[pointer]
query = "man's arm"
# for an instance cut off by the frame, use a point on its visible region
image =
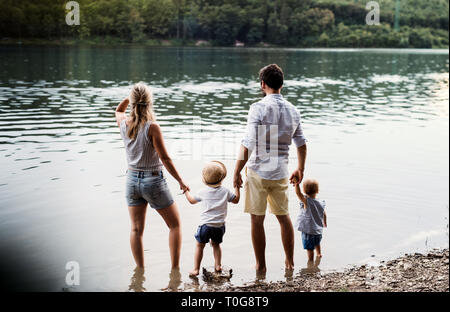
(240, 164)
(297, 175)
(300, 141)
(237, 195)
(248, 144)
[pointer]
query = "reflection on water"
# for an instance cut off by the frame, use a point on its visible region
(289, 275)
(377, 124)
(174, 280)
(260, 276)
(193, 285)
(137, 280)
(312, 266)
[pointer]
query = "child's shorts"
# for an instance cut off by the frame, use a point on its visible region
(311, 241)
(206, 233)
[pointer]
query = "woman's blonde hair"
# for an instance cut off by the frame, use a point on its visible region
(141, 102)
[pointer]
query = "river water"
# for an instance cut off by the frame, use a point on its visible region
(377, 122)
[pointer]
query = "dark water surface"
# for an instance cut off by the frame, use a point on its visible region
(377, 123)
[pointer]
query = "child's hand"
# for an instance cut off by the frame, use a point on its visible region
(190, 198)
(294, 181)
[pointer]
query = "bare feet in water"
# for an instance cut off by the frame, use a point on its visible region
(260, 269)
(218, 269)
(289, 265)
(194, 273)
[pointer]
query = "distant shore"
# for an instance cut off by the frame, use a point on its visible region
(410, 273)
(117, 42)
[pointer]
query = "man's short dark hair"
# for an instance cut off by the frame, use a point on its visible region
(272, 75)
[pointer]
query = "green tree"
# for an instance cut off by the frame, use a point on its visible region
(158, 16)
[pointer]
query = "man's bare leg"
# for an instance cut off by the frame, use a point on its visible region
(259, 242)
(287, 237)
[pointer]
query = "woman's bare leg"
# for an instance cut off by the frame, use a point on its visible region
(197, 259)
(217, 256)
(137, 216)
(172, 219)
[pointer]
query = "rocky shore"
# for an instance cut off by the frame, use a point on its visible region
(411, 273)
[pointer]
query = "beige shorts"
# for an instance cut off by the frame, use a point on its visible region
(259, 191)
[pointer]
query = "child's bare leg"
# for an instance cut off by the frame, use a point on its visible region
(318, 251)
(310, 254)
(197, 259)
(217, 256)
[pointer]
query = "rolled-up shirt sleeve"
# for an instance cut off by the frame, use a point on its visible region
(253, 121)
(299, 138)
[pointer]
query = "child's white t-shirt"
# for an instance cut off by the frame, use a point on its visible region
(214, 205)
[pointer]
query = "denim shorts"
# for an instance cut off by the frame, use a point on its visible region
(206, 233)
(311, 241)
(147, 187)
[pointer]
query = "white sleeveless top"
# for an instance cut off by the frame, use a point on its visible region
(141, 155)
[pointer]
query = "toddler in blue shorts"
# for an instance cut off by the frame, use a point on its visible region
(312, 218)
(214, 199)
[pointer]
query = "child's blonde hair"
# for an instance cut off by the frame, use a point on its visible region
(311, 187)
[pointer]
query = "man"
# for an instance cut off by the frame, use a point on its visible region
(273, 124)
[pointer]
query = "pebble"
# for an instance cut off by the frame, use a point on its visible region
(407, 266)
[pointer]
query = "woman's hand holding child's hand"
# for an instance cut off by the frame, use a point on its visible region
(184, 187)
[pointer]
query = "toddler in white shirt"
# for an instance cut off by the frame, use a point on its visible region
(214, 199)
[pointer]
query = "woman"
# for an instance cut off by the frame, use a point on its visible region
(146, 184)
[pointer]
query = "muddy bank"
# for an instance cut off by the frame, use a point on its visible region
(411, 273)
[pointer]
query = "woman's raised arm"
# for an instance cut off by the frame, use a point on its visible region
(158, 142)
(121, 109)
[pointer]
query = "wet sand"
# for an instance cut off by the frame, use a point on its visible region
(410, 273)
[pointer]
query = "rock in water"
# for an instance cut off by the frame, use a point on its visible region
(210, 274)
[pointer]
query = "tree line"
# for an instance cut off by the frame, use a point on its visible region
(302, 23)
